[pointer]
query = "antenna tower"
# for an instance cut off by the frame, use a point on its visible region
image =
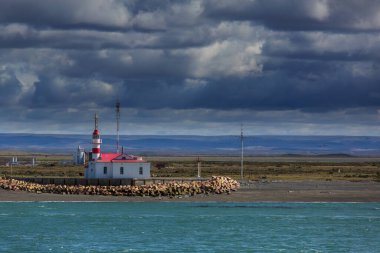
(96, 121)
(117, 124)
(242, 153)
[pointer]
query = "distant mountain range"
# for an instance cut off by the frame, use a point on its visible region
(199, 145)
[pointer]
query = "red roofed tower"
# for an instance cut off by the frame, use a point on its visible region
(96, 141)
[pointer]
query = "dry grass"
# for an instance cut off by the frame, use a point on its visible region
(272, 170)
(43, 171)
(51, 166)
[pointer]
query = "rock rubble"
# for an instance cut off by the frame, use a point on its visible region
(216, 185)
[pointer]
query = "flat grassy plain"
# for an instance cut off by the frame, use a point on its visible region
(270, 168)
(286, 168)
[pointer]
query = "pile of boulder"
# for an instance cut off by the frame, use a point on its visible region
(215, 185)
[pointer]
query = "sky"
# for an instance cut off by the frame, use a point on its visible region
(280, 67)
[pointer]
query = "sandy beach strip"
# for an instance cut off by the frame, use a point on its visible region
(298, 191)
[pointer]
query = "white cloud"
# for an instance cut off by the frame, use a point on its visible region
(150, 20)
(17, 83)
(102, 12)
(100, 87)
(226, 58)
(126, 58)
(27, 81)
(14, 30)
(319, 9)
(195, 83)
(187, 13)
(362, 69)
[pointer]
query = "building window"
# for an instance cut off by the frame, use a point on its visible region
(141, 170)
(121, 170)
(105, 170)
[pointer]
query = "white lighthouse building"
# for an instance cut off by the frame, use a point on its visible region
(114, 165)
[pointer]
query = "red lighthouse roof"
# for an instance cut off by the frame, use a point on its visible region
(96, 132)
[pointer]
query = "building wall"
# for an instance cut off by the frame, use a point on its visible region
(90, 170)
(99, 170)
(131, 170)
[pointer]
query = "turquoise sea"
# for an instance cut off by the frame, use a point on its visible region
(189, 227)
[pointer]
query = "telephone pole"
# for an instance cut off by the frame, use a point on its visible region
(242, 153)
(199, 167)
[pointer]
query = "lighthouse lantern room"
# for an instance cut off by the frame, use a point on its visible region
(113, 165)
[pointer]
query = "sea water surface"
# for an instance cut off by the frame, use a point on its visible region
(189, 227)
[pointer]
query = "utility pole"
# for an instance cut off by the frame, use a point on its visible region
(242, 153)
(13, 159)
(199, 167)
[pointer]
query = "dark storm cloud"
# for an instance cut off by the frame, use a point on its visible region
(326, 47)
(127, 64)
(96, 14)
(302, 15)
(214, 62)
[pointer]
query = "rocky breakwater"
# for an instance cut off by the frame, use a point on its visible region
(216, 185)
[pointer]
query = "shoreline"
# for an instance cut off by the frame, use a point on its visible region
(284, 191)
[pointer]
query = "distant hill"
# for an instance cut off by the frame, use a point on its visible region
(336, 155)
(341, 146)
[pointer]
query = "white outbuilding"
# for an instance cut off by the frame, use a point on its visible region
(114, 165)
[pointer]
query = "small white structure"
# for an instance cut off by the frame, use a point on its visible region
(79, 156)
(14, 161)
(114, 165)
